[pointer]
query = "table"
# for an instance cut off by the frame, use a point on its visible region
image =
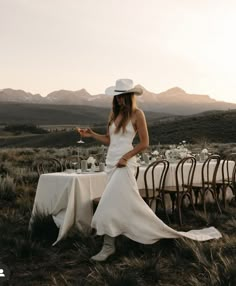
(170, 178)
(68, 196)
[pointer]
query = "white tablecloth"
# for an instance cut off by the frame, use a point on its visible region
(68, 196)
(170, 178)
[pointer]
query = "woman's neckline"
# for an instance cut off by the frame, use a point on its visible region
(130, 121)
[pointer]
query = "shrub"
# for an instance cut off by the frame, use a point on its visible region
(18, 128)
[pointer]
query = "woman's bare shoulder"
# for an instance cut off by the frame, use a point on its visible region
(138, 113)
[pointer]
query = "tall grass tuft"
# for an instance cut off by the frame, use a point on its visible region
(25, 248)
(7, 189)
(83, 245)
(112, 276)
(24, 204)
(43, 228)
(25, 176)
(217, 271)
(148, 267)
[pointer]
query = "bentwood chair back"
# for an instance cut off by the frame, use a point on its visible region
(208, 181)
(49, 165)
(147, 192)
(154, 182)
(228, 170)
(137, 173)
(184, 174)
(234, 181)
(209, 171)
(232, 157)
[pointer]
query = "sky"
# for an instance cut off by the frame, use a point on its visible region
(48, 45)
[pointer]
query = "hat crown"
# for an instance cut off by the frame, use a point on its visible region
(124, 84)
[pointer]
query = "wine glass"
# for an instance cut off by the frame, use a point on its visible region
(75, 164)
(80, 137)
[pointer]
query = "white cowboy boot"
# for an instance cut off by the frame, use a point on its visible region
(108, 249)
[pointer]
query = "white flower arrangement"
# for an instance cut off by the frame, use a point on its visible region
(179, 152)
(155, 153)
(91, 160)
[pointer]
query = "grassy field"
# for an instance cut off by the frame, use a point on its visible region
(33, 261)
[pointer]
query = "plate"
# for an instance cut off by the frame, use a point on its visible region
(88, 171)
(70, 171)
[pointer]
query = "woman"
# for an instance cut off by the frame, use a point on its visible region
(121, 209)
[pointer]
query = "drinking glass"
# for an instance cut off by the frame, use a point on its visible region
(80, 137)
(75, 164)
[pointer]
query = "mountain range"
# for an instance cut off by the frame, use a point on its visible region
(172, 101)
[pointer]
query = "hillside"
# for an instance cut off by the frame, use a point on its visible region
(213, 127)
(40, 114)
(219, 126)
(48, 114)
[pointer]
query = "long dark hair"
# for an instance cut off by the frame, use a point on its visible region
(126, 110)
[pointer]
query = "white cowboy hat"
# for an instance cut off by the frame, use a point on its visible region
(123, 86)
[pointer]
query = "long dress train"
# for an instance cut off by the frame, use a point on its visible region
(122, 210)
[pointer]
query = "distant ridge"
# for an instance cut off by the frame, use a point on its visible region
(173, 101)
(211, 127)
(52, 114)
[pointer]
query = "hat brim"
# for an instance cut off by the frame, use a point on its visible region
(112, 91)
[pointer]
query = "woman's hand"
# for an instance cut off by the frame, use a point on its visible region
(121, 163)
(85, 132)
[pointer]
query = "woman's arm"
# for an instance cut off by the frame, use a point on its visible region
(141, 125)
(88, 132)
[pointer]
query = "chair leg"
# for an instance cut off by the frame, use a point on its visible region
(191, 201)
(218, 187)
(159, 199)
(232, 190)
(179, 203)
(216, 200)
(229, 186)
(224, 189)
(214, 196)
(196, 194)
(162, 201)
(204, 202)
(173, 198)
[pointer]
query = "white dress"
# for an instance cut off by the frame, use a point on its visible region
(122, 210)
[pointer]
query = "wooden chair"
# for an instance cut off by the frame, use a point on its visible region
(228, 178)
(184, 173)
(234, 181)
(232, 157)
(137, 173)
(153, 191)
(97, 200)
(208, 181)
(49, 165)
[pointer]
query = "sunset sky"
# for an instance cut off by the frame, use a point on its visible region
(47, 45)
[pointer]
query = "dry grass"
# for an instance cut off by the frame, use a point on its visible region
(33, 261)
